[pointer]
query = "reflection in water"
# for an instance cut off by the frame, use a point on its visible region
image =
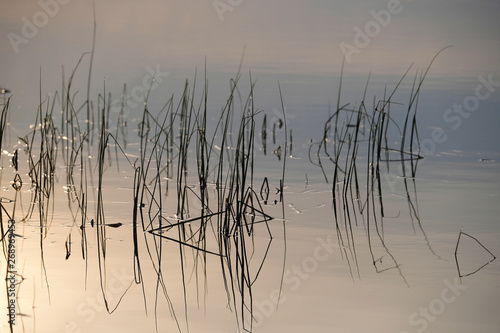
(481, 265)
(218, 208)
(348, 134)
(195, 198)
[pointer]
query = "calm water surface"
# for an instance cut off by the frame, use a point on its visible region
(390, 271)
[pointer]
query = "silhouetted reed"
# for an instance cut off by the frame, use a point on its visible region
(349, 132)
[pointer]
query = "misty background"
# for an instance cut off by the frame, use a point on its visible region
(296, 43)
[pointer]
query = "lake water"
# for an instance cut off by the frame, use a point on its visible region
(108, 243)
(302, 217)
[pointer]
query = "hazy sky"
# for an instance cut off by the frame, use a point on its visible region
(292, 37)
